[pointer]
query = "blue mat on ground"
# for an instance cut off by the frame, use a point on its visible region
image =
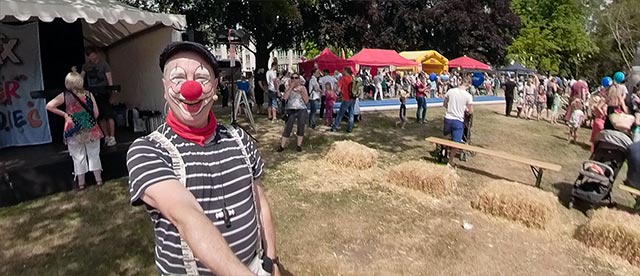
(396, 102)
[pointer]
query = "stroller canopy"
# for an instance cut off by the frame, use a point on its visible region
(614, 137)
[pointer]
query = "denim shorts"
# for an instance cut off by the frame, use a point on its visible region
(273, 99)
(455, 128)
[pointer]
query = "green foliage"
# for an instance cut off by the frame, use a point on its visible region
(616, 32)
(310, 49)
(271, 24)
(482, 29)
(553, 38)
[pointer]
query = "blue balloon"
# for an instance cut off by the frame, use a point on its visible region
(433, 77)
(606, 82)
(477, 79)
(618, 77)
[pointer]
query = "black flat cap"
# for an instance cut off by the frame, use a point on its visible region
(185, 46)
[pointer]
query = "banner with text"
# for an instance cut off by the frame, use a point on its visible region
(23, 120)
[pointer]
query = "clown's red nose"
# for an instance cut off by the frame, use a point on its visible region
(191, 90)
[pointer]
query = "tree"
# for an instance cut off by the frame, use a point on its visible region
(620, 21)
(275, 24)
(271, 24)
(615, 33)
(553, 37)
(482, 29)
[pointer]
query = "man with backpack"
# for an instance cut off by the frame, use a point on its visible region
(350, 90)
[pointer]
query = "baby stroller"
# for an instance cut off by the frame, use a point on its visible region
(442, 152)
(595, 182)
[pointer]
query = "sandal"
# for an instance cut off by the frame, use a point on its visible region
(99, 183)
(81, 187)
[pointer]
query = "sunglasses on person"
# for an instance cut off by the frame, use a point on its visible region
(295, 77)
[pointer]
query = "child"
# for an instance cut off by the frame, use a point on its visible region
(577, 116)
(329, 101)
(554, 107)
(520, 103)
(599, 111)
(403, 109)
(541, 101)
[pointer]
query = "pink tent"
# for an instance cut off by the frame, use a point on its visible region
(380, 58)
(466, 62)
(326, 60)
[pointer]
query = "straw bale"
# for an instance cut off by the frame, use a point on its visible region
(435, 180)
(352, 154)
(322, 176)
(520, 203)
(615, 231)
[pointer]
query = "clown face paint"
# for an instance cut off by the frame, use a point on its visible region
(190, 85)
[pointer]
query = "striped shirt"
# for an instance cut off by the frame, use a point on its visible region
(216, 174)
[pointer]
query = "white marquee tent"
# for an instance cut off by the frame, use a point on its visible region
(132, 39)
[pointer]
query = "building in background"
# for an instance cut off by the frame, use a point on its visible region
(287, 59)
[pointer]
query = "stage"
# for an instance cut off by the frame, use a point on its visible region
(31, 172)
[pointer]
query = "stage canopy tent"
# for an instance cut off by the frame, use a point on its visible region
(467, 63)
(326, 60)
(131, 39)
(381, 58)
(517, 68)
(104, 21)
(432, 61)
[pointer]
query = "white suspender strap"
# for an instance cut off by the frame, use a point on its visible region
(179, 168)
(256, 203)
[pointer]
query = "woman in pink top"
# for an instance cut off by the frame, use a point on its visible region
(421, 99)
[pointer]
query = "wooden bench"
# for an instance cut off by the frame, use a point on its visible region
(537, 167)
(629, 189)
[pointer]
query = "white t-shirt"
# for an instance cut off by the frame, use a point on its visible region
(458, 101)
(272, 78)
(315, 93)
(331, 81)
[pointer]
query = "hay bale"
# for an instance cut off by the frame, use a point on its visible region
(319, 175)
(433, 179)
(351, 154)
(615, 231)
(520, 203)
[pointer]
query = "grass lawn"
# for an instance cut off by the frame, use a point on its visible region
(341, 222)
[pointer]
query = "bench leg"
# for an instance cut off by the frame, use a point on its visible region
(537, 173)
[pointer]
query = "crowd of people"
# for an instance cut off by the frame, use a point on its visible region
(200, 180)
(547, 98)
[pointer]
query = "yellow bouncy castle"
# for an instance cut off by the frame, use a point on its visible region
(432, 61)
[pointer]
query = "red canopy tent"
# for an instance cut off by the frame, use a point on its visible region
(466, 62)
(380, 57)
(326, 60)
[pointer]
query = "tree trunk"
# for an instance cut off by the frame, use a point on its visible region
(262, 55)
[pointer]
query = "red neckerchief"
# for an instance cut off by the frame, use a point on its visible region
(195, 135)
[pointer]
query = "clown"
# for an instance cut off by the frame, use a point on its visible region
(199, 180)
